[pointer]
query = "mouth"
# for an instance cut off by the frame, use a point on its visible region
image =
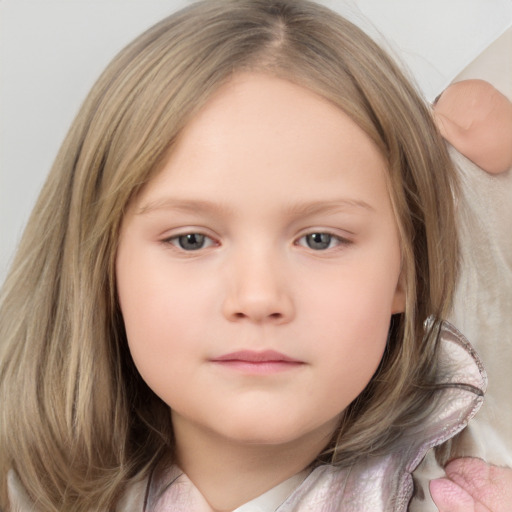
(265, 362)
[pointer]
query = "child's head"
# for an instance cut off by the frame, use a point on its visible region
(63, 325)
(258, 271)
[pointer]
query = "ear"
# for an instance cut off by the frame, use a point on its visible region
(398, 305)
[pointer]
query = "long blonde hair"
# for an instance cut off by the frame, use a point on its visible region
(77, 423)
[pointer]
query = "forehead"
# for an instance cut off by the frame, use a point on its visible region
(261, 130)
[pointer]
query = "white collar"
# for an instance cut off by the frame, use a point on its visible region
(181, 495)
(272, 499)
(378, 483)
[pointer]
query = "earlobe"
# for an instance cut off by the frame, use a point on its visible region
(398, 305)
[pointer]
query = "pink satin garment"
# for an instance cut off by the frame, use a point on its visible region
(382, 484)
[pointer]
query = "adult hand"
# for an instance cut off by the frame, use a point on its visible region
(472, 485)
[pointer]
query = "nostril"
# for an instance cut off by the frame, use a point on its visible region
(242, 306)
(276, 316)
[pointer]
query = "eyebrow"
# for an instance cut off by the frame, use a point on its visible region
(185, 205)
(328, 206)
(306, 208)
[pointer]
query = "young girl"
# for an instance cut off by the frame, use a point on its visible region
(230, 292)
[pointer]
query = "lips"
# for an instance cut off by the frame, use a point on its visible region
(251, 356)
(264, 362)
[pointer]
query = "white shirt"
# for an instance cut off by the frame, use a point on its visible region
(181, 495)
(272, 499)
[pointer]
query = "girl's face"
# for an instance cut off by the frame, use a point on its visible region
(257, 273)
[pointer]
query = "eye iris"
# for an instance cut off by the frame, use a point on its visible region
(191, 241)
(318, 240)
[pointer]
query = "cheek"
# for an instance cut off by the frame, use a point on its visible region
(168, 317)
(352, 314)
(153, 312)
(358, 298)
(159, 355)
(153, 319)
(356, 333)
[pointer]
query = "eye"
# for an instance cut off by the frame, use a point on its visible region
(320, 241)
(191, 241)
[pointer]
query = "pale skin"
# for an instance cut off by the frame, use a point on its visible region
(270, 227)
(248, 175)
(471, 485)
(477, 120)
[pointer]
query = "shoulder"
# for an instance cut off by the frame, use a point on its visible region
(476, 119)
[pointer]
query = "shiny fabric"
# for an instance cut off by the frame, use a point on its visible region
(382, 484)
(482, 310)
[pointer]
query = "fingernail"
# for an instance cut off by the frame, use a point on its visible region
(437, 99)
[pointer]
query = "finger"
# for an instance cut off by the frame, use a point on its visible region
(449, 497)
(476, 119)
(450, 131)
(487, 484)
(456, 135)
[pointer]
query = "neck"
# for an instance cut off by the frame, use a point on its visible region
(230, 473)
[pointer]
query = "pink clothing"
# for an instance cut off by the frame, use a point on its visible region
(380, 484)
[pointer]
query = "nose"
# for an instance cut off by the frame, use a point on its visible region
(258, 290)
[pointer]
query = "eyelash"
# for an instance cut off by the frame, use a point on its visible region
(178, 241)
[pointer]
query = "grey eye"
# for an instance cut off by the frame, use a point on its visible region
(191, 241)
(318, 241)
